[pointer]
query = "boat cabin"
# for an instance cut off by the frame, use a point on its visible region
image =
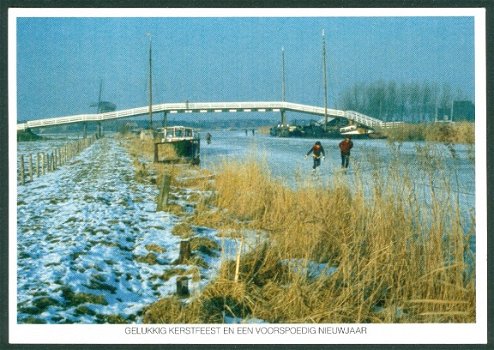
(176, 133)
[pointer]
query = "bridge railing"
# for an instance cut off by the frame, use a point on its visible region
(363, 119)
(210, 106)
(205, 107)
(392, 124)
(296, 107)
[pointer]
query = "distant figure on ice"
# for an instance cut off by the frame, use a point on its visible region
(253, 132)
(345, 147)
(317, 152)
(208, 138)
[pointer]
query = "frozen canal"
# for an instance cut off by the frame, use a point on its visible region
(449, 171)
(285, 156)
(454, 165)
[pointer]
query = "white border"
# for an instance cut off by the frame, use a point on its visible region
(246, 12)
(475, 333)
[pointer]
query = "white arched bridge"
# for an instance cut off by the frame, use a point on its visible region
(205, 107)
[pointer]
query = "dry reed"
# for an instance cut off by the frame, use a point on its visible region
(397, 259)
(460, 132)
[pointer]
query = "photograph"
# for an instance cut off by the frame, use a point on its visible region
(238, 176)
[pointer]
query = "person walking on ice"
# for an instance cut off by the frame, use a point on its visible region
(345, 147)
(317, 152)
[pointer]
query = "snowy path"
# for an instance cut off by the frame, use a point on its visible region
(81, 231)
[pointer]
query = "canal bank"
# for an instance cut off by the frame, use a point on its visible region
(323, 223)
(91, 247)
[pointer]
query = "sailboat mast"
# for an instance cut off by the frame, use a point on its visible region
(283, 121)
(150, 86)
(325, 82)
(283, 74)
(98, 108)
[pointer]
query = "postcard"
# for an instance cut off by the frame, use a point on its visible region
(247, 176)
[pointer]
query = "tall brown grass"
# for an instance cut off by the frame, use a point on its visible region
(460, 132)
(397, 259)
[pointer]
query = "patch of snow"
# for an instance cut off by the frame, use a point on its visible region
(83, 228)
(238, 320)
(310, 269)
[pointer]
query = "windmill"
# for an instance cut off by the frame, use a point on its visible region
(103, 106)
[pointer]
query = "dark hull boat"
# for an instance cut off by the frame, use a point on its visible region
(177, 144)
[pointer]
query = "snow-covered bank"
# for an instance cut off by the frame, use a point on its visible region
(91, 247)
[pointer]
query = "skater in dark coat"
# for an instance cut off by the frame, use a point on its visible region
(317, 152)
(345, 147)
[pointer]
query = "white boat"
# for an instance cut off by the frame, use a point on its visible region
(355, 131)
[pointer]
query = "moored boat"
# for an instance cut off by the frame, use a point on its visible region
(356, 132)
(177, 144)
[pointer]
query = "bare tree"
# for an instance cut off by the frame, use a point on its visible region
(406, 101)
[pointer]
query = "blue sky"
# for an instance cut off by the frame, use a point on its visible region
(60, 61)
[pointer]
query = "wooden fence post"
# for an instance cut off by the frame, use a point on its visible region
(162, 200)
(184, 253)
(22, 175)
(31, 167)
(41, 162)
(37, 165)
(156, 152)
(183, 286)
(40, 157)
(47, 162)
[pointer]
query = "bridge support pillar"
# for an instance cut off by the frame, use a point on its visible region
(165, 120)
(283, 118)
(84, 128)
(99, 129)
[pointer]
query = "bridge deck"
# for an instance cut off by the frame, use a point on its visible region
(204, 107)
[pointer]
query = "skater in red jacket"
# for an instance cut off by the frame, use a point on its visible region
(345, 147)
